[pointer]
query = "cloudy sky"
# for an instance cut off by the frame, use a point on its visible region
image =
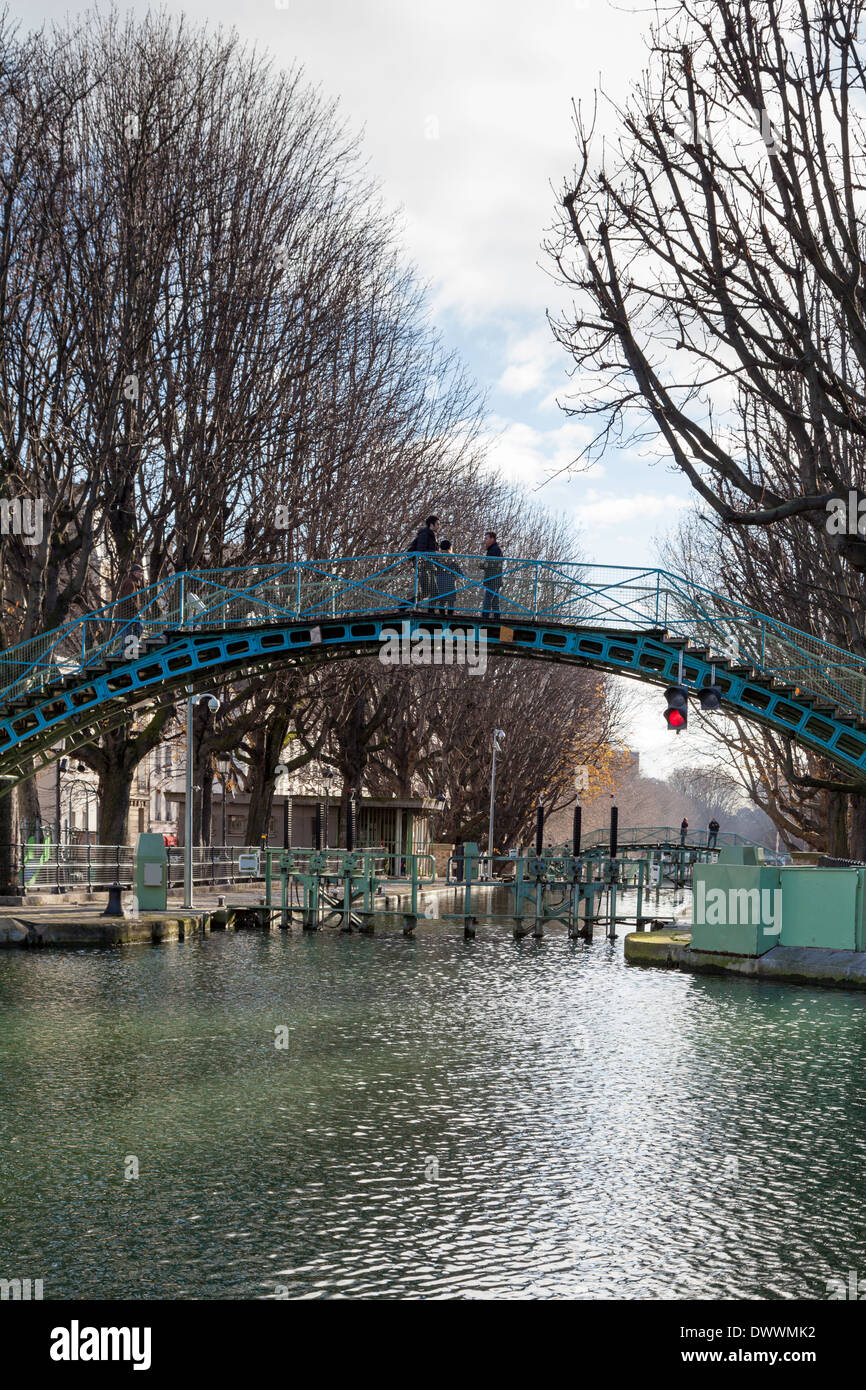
(466, 109)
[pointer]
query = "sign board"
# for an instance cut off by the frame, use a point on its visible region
(248, 863)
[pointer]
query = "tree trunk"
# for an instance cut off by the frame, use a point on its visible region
(267, 747)
(115, 788)
(29, 810)
(857, 837)
(837, 825)
(9, 836)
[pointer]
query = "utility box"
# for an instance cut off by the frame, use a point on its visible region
(470, 861)
(151, 873)
(824, 907)
(737, 904)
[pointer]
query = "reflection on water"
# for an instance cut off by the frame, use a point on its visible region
(449, 1118)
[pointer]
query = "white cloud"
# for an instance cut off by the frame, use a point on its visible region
(531, 456)
(529, 360)
(604, 509)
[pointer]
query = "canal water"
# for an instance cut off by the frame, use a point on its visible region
(446, 1118)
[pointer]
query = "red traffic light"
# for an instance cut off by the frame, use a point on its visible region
(677, 712)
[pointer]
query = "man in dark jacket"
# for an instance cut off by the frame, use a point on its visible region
(424, 542)
(713, 837)
(491, 569)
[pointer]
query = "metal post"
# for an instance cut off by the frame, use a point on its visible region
(187, 808)
(575, 832)
(317, 828)
(539, 828)
(213, 705)
(497, 735)
(613, 871)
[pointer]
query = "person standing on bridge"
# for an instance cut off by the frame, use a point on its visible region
(684, 830)
(713, 838)
(448, 572)
(424, 543)
(491, 569)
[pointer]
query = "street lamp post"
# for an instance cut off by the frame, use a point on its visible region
(213, 705)
(223, 763)
(282, 771)
(327, 777)
(498, 736)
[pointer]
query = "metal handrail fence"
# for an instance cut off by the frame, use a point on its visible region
(568, 593)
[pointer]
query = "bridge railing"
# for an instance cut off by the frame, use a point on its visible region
(82, 866)
(663, 834)
(525, 590)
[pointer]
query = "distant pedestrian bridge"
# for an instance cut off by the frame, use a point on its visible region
(75, 682)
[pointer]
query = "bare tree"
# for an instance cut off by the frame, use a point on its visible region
(716, 251)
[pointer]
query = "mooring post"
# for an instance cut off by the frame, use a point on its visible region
(347, 893)
(312, 915)
(576, 874)
(537, 869)
(589, 914)
(519, 890)
(639, 911)
(614, 871)
(538, 929)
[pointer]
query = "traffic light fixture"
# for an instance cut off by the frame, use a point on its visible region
(711, 698)
(677, 712)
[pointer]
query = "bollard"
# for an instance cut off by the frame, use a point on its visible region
(114, 907)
